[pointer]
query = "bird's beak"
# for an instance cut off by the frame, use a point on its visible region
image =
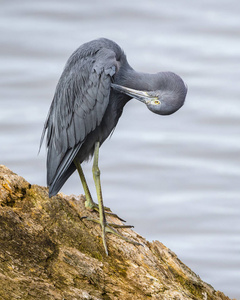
(142, 96)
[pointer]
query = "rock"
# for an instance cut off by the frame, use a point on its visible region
(48, 252)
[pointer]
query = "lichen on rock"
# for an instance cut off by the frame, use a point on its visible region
(47, 251)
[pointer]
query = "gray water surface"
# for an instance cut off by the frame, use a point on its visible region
(175, 178)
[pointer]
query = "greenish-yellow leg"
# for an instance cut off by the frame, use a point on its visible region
(105, 226)
(89, 203)
(96, 177)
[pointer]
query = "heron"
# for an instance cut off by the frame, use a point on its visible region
(96, 83)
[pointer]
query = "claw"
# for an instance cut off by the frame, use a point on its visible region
(114, 215)
(120, 226)
(110, 228)
(92, 206)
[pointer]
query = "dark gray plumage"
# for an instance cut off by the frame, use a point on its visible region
(95, 85)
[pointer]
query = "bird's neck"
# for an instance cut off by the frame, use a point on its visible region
(139, 81)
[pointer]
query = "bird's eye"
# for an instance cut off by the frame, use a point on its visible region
(156, 102)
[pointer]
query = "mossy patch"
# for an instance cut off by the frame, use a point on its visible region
(47, 251)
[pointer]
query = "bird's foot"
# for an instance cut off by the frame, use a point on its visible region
(110, 228)
(92, 206)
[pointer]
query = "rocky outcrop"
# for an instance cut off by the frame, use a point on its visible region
(47, 251)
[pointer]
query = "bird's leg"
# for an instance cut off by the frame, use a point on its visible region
(102, 218)
(96, 177)
(89, 203)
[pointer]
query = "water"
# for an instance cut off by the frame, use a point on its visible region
(175, 178)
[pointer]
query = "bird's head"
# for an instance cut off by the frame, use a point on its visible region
(168, 94)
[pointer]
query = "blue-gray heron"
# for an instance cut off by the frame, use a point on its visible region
(93, 89)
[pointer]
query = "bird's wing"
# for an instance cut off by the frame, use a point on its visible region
(79, 104)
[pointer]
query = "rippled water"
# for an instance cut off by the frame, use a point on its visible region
(175, 178)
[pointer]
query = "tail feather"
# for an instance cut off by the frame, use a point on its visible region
(55, 187)
(59, 168)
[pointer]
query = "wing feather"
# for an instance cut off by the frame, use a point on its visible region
(79, 104)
